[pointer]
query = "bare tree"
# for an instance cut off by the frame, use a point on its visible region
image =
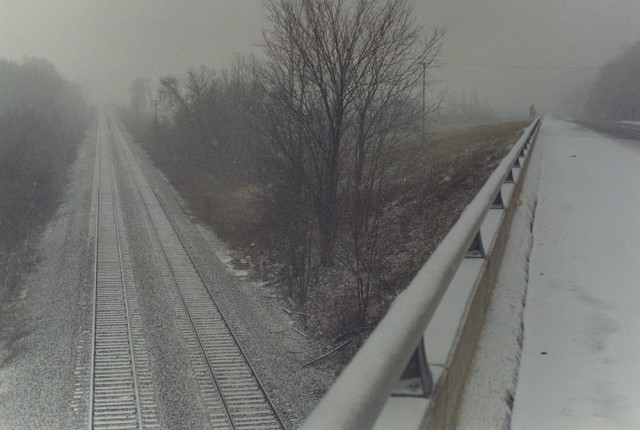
(42, 121)
(339, 83)
(139, 95)
(210, 114)
(383, 112)
(616, 94)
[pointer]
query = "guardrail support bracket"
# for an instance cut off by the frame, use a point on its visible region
(517, 162)
(509, 179)
(416, 381)
(498, 203)
(476, 250)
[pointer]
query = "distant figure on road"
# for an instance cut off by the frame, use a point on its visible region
(532, 111)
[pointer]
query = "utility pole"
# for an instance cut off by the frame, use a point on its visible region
(156, 102)
(424, 99)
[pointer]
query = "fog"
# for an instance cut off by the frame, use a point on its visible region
(509, 53)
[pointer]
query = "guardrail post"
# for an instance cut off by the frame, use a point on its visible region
(509, 179)
(476, 249)
(416, 380)
(498, 202)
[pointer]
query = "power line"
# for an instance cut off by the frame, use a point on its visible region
(520, 66)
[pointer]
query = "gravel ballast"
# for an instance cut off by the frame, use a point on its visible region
(46, 329)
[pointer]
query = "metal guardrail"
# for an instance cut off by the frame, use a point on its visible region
(357, 397)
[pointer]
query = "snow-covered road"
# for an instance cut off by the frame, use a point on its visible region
(580, 363)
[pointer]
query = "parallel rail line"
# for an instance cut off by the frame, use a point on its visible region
(228, 384)
(120, 393)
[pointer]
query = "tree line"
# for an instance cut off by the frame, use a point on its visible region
(42, 119)
(616, 93)
(317, 119)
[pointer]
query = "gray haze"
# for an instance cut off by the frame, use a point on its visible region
(510, 53)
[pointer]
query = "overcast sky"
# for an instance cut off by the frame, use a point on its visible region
(509, 52)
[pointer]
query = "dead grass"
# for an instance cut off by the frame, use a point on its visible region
(450, 171)
(232, 208)
(444, 176)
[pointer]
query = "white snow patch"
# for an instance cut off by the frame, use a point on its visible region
(222, 252)
(580, 365)
(488, 393)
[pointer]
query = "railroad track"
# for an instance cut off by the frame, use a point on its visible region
(229, 387)
(120, 393)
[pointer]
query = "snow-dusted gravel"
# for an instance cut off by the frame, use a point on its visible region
(276, 352)
(43, 324)
(46, 327)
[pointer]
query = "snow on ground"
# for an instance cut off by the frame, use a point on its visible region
(276, 351)
(488, 394)
(41, 324)
(224, 254)
(580, 364)
(45, 327)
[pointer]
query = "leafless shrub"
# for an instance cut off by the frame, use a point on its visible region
(339, 87)
(42, 120)
(209, 114)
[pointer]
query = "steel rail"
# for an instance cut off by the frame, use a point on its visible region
(202, 351)
(357, 397)
(96, 170)
(114, 373)
(134, 373)
(232, 416)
